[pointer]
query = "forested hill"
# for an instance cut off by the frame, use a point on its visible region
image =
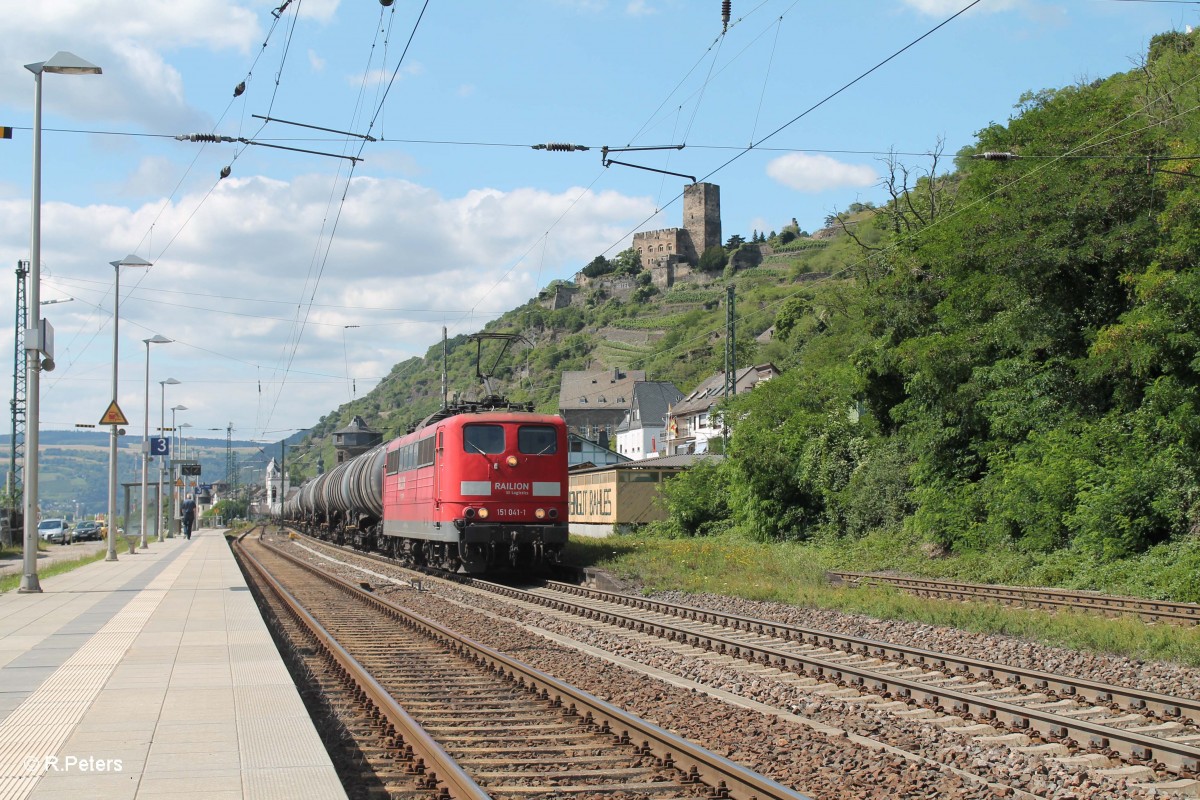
(1004, 356)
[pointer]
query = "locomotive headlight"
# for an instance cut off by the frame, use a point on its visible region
(554, 513)
(468, 513)
(483, 513)
(540, 513)
(511, 461)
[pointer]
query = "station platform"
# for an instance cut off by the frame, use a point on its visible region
(153, 676)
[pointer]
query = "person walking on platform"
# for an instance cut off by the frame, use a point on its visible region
(188, 509)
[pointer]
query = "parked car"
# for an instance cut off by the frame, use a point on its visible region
(56, 531)
(88, 531)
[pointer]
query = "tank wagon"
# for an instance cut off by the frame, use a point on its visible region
(472, 489)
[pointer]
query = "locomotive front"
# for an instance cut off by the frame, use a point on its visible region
(505, 488)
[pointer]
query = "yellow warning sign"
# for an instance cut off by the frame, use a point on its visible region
(113, 416)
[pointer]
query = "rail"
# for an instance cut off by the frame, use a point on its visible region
(444, 768)
(1151, 610)
(1175, 756)
(725, 778)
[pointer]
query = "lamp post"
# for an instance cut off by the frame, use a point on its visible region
(175, 450)
(283, 448)
(183, 439)
(61, 63)
(128, 261)
(156, 339)
(159, 522)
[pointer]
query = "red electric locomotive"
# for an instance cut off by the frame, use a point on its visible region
(472, 489)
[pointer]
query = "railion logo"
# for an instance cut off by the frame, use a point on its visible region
(512, 487)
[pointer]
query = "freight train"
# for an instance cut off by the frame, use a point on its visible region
(474, 488)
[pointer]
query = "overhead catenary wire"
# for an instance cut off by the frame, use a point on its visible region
(543, 240)
(302, 317)
(1076, 152)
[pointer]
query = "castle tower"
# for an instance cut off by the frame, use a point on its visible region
(702, 216)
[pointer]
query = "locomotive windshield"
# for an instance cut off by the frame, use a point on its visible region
(537, 440)
(486, 439)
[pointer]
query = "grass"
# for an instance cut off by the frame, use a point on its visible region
(10, 582)
(794, 573)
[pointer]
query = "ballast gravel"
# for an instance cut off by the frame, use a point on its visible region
(903, 758)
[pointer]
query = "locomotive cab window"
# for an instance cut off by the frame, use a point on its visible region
(486, 439)
(537, 440)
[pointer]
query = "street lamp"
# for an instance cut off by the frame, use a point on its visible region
(159, 522)
(61, 63)
(130, 260)
(156, 339)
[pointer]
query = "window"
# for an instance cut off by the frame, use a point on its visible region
(486, 439)
(425, 450)
(537, 440)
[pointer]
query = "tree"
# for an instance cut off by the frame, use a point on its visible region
(713, 260)
(735, 241)
(599, 266)
(627, 262)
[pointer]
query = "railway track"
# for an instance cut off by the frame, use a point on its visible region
(1144, 738)
(475, 723)
(1144, 728)
(1032, 597)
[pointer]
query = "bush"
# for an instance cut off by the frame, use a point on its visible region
(696, 499)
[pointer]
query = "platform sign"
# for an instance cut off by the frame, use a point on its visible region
(114, 415)
(160, 446)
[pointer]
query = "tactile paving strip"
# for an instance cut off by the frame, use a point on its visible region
(44, 721)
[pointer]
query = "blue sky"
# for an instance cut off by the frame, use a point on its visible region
(451, 217)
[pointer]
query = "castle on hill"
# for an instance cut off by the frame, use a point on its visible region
(671, 253)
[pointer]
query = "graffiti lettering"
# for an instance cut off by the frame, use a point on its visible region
(591, 502)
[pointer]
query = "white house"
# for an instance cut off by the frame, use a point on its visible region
(642, 434)
(692, 422)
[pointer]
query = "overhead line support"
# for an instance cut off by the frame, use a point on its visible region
(316, 127)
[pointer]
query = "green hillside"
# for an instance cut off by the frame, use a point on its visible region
(73, 468)
(1004, 360)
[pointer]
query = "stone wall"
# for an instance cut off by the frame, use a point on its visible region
(562, 297)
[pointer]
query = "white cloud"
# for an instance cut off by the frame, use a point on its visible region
(139, 82)
(234, 285)
(944, 8)
(153, 175)
(809, 173)
(320, 10)
(315, 61)
(383, 76)
(639, 8)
